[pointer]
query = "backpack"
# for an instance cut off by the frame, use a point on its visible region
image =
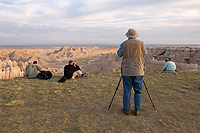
(44, 75)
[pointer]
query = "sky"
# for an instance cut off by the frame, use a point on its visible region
(57, 22)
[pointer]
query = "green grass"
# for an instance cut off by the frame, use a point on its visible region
(81, 105)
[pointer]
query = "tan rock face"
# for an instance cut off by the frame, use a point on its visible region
(97, 59)
(186, 55)
(10, 69)
(154, 60)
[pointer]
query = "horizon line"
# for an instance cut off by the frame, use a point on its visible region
(71, 45)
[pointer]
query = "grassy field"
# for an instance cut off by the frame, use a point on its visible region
(81, 105)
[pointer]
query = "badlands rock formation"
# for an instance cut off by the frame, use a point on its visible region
(185, 58)
(186, 55)
(98, 59)
(11, 69)
(14, 60)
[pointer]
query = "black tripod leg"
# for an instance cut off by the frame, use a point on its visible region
(115, 93)
(149, 95)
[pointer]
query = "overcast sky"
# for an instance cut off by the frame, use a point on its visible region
(30, 22)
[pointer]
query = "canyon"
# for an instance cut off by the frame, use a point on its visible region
(13, 60)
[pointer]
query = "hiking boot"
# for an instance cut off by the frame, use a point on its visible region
(136, 112)
(126, 112)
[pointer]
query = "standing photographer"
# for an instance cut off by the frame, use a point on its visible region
(133, 52)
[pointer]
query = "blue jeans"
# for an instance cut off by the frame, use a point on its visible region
(137, 83)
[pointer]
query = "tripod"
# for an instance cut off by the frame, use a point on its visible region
(115, 93)
(118, 87)
(149, 95)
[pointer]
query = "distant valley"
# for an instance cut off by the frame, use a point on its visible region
(97, 59)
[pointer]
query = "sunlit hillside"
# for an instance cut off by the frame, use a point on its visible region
(81, 105)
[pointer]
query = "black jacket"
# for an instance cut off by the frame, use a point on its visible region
(69, 70)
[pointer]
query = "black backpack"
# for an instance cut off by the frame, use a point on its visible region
(44, 75)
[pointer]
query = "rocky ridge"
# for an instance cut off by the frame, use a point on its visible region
(186, 58)
(97, 59)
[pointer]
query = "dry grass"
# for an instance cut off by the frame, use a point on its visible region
(80, 105)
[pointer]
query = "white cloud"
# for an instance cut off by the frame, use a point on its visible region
(78, 20)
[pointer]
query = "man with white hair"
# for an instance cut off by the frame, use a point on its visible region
(133, 52)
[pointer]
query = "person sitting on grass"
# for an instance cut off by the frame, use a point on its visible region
(31, 70)
(169, 66)
(71, 71)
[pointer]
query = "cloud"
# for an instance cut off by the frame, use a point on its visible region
(105, 21)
